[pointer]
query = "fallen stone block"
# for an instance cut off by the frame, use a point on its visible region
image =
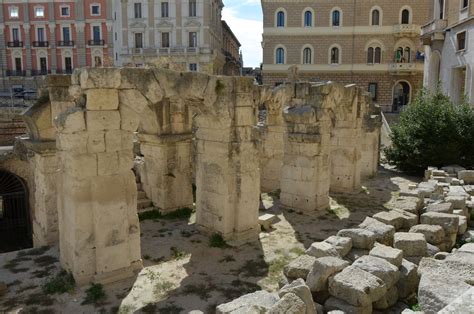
(407, 203)
(432, 249)
(343, 245)
(458, 191)
(266, 221)
(357, 287)
(361, 238)
(453, 169)
(434, 234)
(354, 254)
(392, 218)
(463, 304)
(468, 248)
(462, 228)
(289, 303)
(321, 249)
(383, 232)
(449, 222)
(467, 176)
(391, 255)
(380, 268)
(261, 299)
(469, 189)
(299, 288)
(299, 267)
(412, 244)
(388, 300)
(446, 208)
(461, 212)
(334, 305)
(407, 285)
(458, 202)
(323, 268)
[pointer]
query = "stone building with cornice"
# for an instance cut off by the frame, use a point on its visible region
(373, 44)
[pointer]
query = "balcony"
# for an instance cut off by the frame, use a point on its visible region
(434, 30)
(406, 30)
(405, 68)
(16, 73)
(15, 44)
(66, 43)
(96, 42)
(40, 44)
(40, 72)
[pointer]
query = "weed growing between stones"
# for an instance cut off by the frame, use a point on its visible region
(95, 294)
(155, 214)
(177, 254)
(62, 283)
(216, 240)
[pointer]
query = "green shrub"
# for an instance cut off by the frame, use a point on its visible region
(63, 282)
(94, 294)
(432, 132)
(216, 240)
(181, 213)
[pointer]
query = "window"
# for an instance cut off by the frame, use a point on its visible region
(307, 56)
(66, 34)
(308, 19)
(192, 39)
(165, 9)
(68, 64)
(280, 56)
(137, 7)
(334, 55)
(370, 56)
(39, 12)
(193, 67)
(115, 35)
(378, 55)
(464, 4)
(336, 18)
(165, 40)
(97, 61)
(15, 34)
(65, 11)
(375, 17)
(281, 19)
(407, 55)
(14, 12)
(405, 16)
(43, 65)
(18, 64)
(461, 39)
(373, 90)
(192, 8)
(374, 55)
(95, 9)
(40, 34)
(96, 33)
(138, 40)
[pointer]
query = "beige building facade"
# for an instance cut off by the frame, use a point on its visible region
(181, 34)
(374, 44)
(449, 49)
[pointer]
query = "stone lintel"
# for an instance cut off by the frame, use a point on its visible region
(40, 147)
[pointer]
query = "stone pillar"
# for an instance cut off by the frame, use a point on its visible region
(305, 174)
(227, 171)
(27, 65)
(97, 193)
(167, 178)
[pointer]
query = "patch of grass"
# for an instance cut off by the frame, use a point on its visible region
(161, 288)
(63, 282)
(416, 307)
(177, 253)
(155, 214)
(45, 260)
(95, 294)
(298, 251)
(216, 240)
(275, 268)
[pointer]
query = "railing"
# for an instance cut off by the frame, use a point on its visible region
(434, 26)
(96, 42)
(406, 30)
(402, 67)
(40, 44)
(65, 43)
(64, 71)
(15, 43)
(40, 72)
(16, 73)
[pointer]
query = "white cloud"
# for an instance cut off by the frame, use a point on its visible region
(248, 32)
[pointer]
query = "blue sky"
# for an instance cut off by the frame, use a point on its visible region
(245, 19)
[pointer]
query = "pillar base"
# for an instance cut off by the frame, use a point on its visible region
(235, 238)
(113, 276)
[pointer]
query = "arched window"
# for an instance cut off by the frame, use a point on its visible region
(308, 19)
(370, 56)
(280, 56)
(375, 17)
(405, 16)
(407, 54)
(307, 56)
(281, 19)
(378, 55)
(374, 54)
(336, 18)
(334, 55)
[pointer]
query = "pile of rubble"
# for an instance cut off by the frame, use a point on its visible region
(389, 262)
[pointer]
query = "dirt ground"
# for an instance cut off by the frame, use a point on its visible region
(182, 272)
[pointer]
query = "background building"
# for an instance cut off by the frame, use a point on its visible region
(449, 50)
(374, 44)
(41, 37)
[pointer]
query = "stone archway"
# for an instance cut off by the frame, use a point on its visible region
(99, 229)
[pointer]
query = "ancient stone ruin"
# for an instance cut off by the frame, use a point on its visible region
(190, 128)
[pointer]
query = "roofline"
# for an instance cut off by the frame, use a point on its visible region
(227, 27)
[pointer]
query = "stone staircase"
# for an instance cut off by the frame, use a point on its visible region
(143, 202)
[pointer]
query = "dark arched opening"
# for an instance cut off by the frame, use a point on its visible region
(15, 220)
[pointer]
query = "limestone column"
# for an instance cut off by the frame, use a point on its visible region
(97, 194)
(167, 177)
